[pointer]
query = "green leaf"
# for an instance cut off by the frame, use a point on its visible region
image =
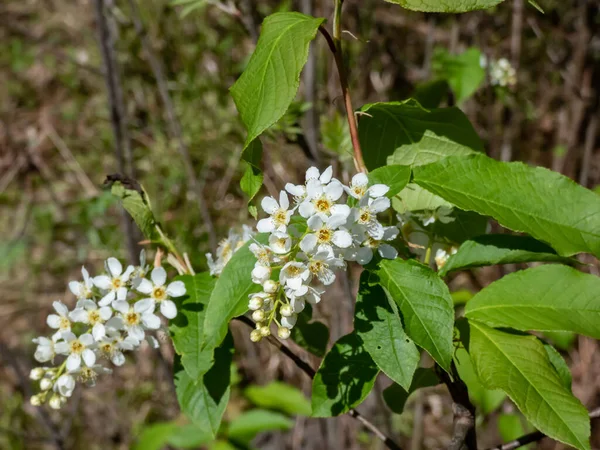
(415, 198)
(345, 378)
(229, 297)
(248, 424)
(134, 199)
(279, 396)
(377, 323)
(405, 133)
(312, 336)
(492, 249)
(187, 327)
(463, 72)
(431, 93)
(252, 179)
(545, 298)
(395, 396)
(486, 400)
(561, 367)
(446, 6)
(395, 176)
(270, 82)
(158, 435)
(510, 427)
(425, 306)
(536, 6)
(466, 225)
(545, 204)
(204, 401)
(519, 365)
(561, 339)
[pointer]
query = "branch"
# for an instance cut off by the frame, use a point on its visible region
(335, 45)
(117, 115)
(173, 123)
(534, 437)
(308, 370)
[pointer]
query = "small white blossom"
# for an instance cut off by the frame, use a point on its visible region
(159, 293)
(113, 282)
(279, 214)
(366, 215)
(294, 274)
(65, 385)
(137, 317)
(78, 349)
(45, 350)
(323, 265)
(325, 233)
(88, 312)
(280, 243)
(59, 321)
(260, 273)
(321, 199)
(82, 289)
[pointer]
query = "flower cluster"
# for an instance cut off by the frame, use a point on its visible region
(227, 247)
(309, 239)
(112, 315)
(502, 73)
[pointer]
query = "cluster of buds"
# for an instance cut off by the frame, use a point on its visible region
(309, 240)
(112, 314)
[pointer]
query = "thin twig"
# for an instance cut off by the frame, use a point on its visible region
(308, 370)
(335, 45)
(173, 122)
(117, 115)
(533, 437)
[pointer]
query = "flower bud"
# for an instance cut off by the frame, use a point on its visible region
(45, 384)
(55, 402)
(258, 315)
(255, 303)
(37, 373)
(255, 336)
(35, 400)
(286, 310)
(265, 331)
(283, 332)
(270, 286)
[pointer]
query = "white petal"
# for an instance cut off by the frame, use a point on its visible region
(121, 306)
(326, 277)
(98, 331)
(308, 243)
(340, 210)
(73, 362)
(103, 282)
(105, 312)
(294, 283)
(379, 204)
(269, 205)
(89, 357)
(335, 221)
(314, 223)
(364, 255)
(136, 332)
(375, 230)
(129, 343)
(114, 266)
(295, 189)
(144, 286)
(86, 276)
(86, 339)
(76, 288)
(78, 315)
(118, 358)
(159, 276)
(53, 321)
(127, 273)
(115, 323)
(342, 239)
(284, 202)
(168, 309)
(60, 308)
(387, 251)
(290, 321)
(326, 175)
(68, 336)
(306, 209)
(107, 299)
(360, 179)
(176, 289)
(151, 321)
(312, 173)
(298, 305)
(61, 348)
(314, 188)
(43, 353)
(265, 225)
(144, 305)
(390, 233)
(334, 190)
(378, 190)
(121, 294)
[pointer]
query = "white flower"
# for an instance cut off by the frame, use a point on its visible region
(260, 273)
(321, 265)
(442, 214)
(138, 317)
(262, 253)
(289, 321)
(321, 199)
(59, 321)
(294, 274)
(65, 385)
(279, 214)
(441, 256)
(89, 313)
(364, 254)
(113, 345)
(82, 289)
(359, 187)
(160, 293)
(366, 215)
(113, 282)
(227, 247)
(45, 349)
(325, 233)
(77, 348)
(312, 175)
(280, 243)
(304, 292)
(89, 374)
